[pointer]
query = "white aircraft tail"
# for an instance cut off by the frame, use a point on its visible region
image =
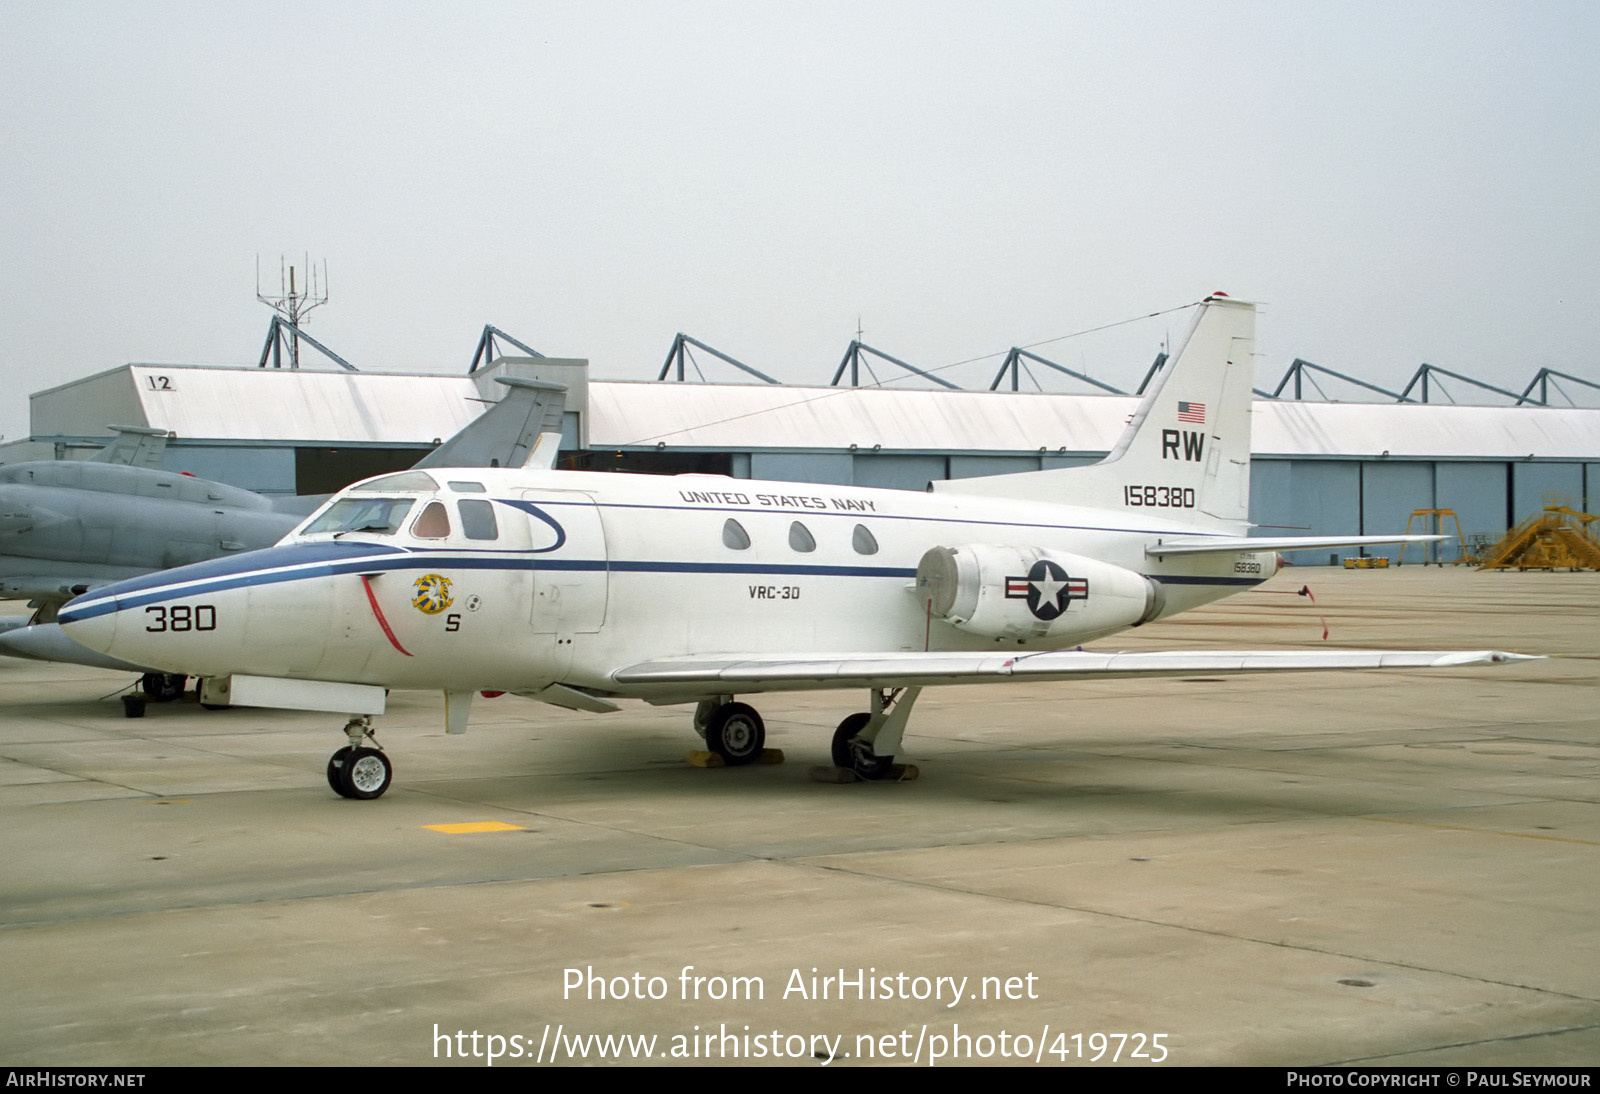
(1185, 452)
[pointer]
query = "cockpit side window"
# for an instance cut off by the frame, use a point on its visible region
(381, 516)
(434, 523)
(477, 519)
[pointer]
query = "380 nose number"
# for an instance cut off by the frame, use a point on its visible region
(161, 619)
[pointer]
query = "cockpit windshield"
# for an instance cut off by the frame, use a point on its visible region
(403, 480)
(382, 516)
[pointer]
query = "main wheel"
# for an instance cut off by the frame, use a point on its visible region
(336, 769)
(162, 687)
(736, 733)
(366, 774)
(858, 757)
(842, 736)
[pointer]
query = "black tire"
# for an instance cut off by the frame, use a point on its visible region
(365, 774)
(867, 764)
(841, 738)
(162, 687)
(736, 733)
(336, 769)
(871, 767)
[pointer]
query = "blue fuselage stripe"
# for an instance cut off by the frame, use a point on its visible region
(375, 564)
(380, 563)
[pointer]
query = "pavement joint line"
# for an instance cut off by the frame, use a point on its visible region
(1485, 831)
(1370, 1060)
(1206, 932)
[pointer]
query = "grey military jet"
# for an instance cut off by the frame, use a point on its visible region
(67, 526)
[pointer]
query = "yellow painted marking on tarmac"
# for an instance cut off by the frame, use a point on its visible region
(473, 827)
(1485, 831)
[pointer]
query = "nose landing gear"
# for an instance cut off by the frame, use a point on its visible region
(356, 771)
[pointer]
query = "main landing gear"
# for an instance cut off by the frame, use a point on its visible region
(864, 743)
(356, 771)
(733, 731)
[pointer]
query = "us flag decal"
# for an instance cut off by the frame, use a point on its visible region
(1192, 412)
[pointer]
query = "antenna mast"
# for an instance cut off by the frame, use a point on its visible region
(292, 303)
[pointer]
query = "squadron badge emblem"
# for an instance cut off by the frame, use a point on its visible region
(433, 594)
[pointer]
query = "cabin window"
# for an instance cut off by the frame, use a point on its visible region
(734, 536)
(381, 516)
(800, 537)
(864, 541)
(477, 519)
(434, 523)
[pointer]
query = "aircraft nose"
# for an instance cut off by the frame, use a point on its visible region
(90, 621)
(274, 609)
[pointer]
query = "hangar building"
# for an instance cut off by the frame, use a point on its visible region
(1318, 468)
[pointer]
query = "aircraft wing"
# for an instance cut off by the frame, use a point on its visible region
(1231, 545)
(804, 672)
(59, 589)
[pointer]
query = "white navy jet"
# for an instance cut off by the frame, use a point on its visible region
(588, 589)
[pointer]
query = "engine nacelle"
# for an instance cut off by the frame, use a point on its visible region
(1034, 593)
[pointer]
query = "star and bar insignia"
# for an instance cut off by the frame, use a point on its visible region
(1047, 589)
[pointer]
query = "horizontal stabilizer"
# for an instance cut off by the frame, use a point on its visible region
(1232, 545)
(891, 670)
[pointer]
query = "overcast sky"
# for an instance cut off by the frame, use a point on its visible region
(1396, 182)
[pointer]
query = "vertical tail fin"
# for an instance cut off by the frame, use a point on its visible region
(508, 433)
(135, 446)
(1186, 451)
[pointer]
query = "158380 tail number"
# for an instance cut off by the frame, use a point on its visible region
(1158, 497)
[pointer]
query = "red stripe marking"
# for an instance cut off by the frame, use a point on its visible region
(382, 622)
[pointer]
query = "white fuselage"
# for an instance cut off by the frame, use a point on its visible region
(588, 573)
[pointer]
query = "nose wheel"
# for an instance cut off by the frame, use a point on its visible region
(356, 771)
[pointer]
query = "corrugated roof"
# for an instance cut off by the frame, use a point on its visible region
(745, 416)
(304, 405)
(1412, 430)
(266, 405)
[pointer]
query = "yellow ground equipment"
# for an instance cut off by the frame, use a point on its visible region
(1556, 538)
(1367, 562)
(1440, 519)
